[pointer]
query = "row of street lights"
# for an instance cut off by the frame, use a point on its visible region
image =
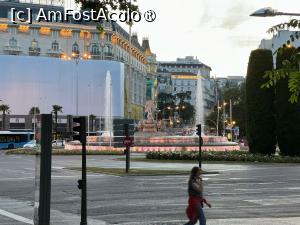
(230, 124)
(172, 109)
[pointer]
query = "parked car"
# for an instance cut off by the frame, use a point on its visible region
(30, 144)
(58, 143)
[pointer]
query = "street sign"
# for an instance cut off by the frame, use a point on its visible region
(119, 132)
(128, 141)
(236, 131)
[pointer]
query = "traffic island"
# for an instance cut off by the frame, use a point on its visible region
(135, 172)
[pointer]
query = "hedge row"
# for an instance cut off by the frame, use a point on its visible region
(240, 156)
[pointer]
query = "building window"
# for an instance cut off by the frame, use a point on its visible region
(55, 33)
(34, 49)
(95, 49)
(34, 43)
(75, 48)
(95, 36)
(12, 30)
(55, 46)
(13, 42)
(75, 35)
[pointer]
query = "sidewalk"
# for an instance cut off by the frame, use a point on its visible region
(240, 221)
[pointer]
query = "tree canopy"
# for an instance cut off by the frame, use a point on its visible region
(108, 5)
(290, 68)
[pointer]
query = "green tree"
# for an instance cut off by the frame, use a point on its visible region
(5, 110)
(287, 113)
(168, 104)
(289, 69)
(164, 102)
(55, 110)
(259, 104)
(186, 112)
(237, 95)
(34, 110)
(183, 96)
(211, 121)
(108, 6)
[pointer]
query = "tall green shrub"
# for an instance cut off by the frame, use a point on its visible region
(260, 119)
(287, 114)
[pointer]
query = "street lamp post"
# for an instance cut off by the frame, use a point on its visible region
(77, 58)
(224, 106)
(270, 12)
(215, 124)
(218, 117)
(77, 61)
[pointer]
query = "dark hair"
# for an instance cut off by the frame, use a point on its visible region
(194, 171)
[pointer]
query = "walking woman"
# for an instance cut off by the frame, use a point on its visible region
(194, 210)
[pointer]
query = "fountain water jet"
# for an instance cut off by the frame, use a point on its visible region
(108, 120)
(199, 101)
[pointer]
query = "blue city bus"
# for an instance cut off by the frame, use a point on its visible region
(15, 139)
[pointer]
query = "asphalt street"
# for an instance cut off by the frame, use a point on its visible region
(240, 194)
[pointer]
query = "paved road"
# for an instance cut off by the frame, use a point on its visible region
(249, 194)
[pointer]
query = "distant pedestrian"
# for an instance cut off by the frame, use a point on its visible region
(194, 210)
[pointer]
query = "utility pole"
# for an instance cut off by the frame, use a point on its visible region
(231, 125)
(129, 78)
(218, 115)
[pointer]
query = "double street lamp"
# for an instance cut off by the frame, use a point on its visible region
(77, 57)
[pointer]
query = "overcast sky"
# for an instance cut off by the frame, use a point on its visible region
(219, 32)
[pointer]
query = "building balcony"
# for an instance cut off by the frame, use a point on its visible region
(108, 55)
(54, 53)
(12, 50)
(32, 51)
(95, 55)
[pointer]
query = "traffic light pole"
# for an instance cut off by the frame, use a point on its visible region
(45, 171)
(84, 187)
(127, 151)
(200, 144)
(127, 159)
(79, 130)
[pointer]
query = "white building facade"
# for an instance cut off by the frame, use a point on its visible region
(182, 75)
(282, 38)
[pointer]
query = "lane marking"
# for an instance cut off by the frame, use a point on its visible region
(15, 217)
(58, 167)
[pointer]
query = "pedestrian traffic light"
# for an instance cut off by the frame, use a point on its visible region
(198, 129)
(79, 129)
(80, 184)
(125, 151)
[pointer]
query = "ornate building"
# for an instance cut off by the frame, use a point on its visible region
(181, 76)
(77, 41)
(151, 92)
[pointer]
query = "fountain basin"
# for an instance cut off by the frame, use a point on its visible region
(163, 143)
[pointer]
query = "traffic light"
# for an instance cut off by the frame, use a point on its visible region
(198, 129)
(125, 151)
(126, 129)
(79, 129)
(80, 184)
